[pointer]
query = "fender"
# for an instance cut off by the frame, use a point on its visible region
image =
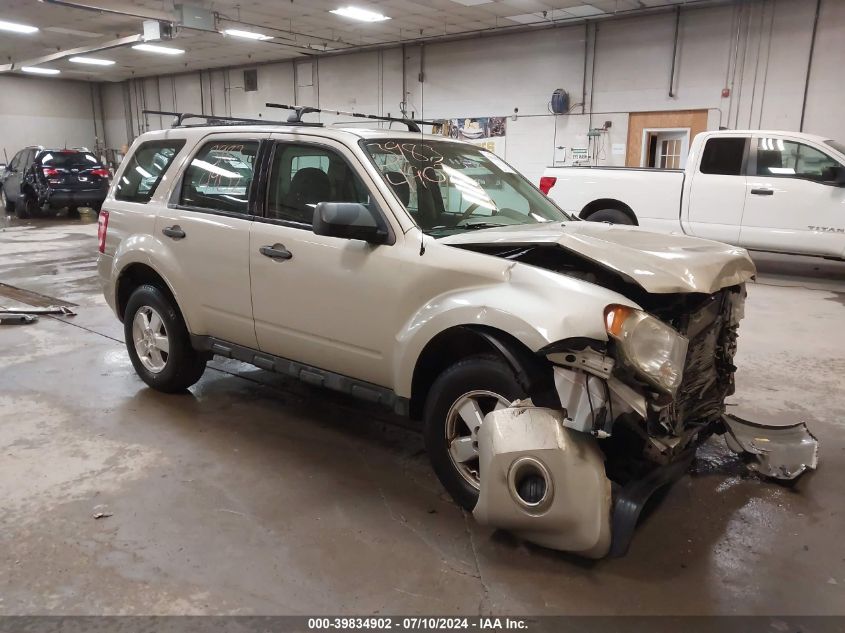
(551, 306)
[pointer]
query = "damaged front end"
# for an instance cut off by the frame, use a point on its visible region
(633, 410)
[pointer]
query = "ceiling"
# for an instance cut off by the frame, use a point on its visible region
(299, 28)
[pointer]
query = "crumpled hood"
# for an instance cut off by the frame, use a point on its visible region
(658, 262)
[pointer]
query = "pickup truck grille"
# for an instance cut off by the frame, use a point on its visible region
(709, 371)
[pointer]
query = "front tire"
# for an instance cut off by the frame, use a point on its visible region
(614, 216)
(456, 405)
(158, 341)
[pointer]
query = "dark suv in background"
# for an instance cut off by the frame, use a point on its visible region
(38, 178)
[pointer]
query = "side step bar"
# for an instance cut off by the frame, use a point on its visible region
(306, 373)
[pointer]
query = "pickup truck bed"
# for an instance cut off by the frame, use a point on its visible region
(763, 190)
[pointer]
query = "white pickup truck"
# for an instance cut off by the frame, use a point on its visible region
(764, 190)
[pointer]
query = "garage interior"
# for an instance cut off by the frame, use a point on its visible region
(254, 494)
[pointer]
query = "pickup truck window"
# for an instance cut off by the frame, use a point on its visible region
(449, 188)
(779, 157)
(302, 176)
(723, 156)
(219, 176)
(145, 168)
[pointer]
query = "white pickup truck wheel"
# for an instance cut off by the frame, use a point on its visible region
(158, 342)
(455, 408)
(614, 216)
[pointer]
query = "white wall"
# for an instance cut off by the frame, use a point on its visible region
(758, 49)
(35, 111)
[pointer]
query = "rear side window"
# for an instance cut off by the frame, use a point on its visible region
(145, 169)
(220, 176)
(723, 156)
(69, 160)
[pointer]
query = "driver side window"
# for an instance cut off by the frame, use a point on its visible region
(301, 176)
(778, 157)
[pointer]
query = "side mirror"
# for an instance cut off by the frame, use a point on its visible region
(351, 221)
(835, 176)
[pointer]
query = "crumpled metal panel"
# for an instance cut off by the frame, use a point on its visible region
(778, 451)
(575, 513)
(658, 262)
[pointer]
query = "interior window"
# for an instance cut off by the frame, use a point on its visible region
(145, 168)
(303, 176)
(723, 156)
(777, 157)
(219, 176)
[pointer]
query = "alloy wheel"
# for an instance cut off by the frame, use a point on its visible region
(150, 338)
(463, 422)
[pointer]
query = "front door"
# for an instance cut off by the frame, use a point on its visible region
(791, 204)
(715, 196)
(318, 299)
(206, 228)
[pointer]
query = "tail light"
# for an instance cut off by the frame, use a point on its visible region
(546, 184)
(49, 172)
(102, 173)
(102, 227)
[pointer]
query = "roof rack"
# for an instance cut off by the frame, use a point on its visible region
(295, 117)
(214, 119)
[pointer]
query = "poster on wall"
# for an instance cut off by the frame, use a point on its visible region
(486, 132)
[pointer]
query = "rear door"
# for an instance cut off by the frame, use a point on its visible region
(206, 228)
(792, 206)
(716, 196)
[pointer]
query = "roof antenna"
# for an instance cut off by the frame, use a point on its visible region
(422, 244)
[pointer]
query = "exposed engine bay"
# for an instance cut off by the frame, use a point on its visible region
(646, 428)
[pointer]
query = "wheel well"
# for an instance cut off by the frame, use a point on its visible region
(457, 343)
(136, 275)
(608, 203)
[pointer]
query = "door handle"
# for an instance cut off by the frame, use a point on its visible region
(763, 192)
(277, 251)
(174, 232)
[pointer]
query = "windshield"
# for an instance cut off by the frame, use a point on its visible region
(449, 187)
(839, 147)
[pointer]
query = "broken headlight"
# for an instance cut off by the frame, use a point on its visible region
(656, 351)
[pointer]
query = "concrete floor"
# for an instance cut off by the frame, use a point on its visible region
(254, 494)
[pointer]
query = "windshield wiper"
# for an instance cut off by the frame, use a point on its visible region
(479, 225)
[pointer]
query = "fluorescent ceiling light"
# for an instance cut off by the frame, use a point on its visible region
(35, 70)
(527, 18)
(17, 28)
(359, 14)
(93, 61)
(472, 3)
(66, 31)
(155, 48)
(583, 10)
(247, 34)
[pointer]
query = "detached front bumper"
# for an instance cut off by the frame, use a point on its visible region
(546, 482)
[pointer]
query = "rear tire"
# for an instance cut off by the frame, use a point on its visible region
(614, 216)
(151, 323)
(29, 208)
(489, 382)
